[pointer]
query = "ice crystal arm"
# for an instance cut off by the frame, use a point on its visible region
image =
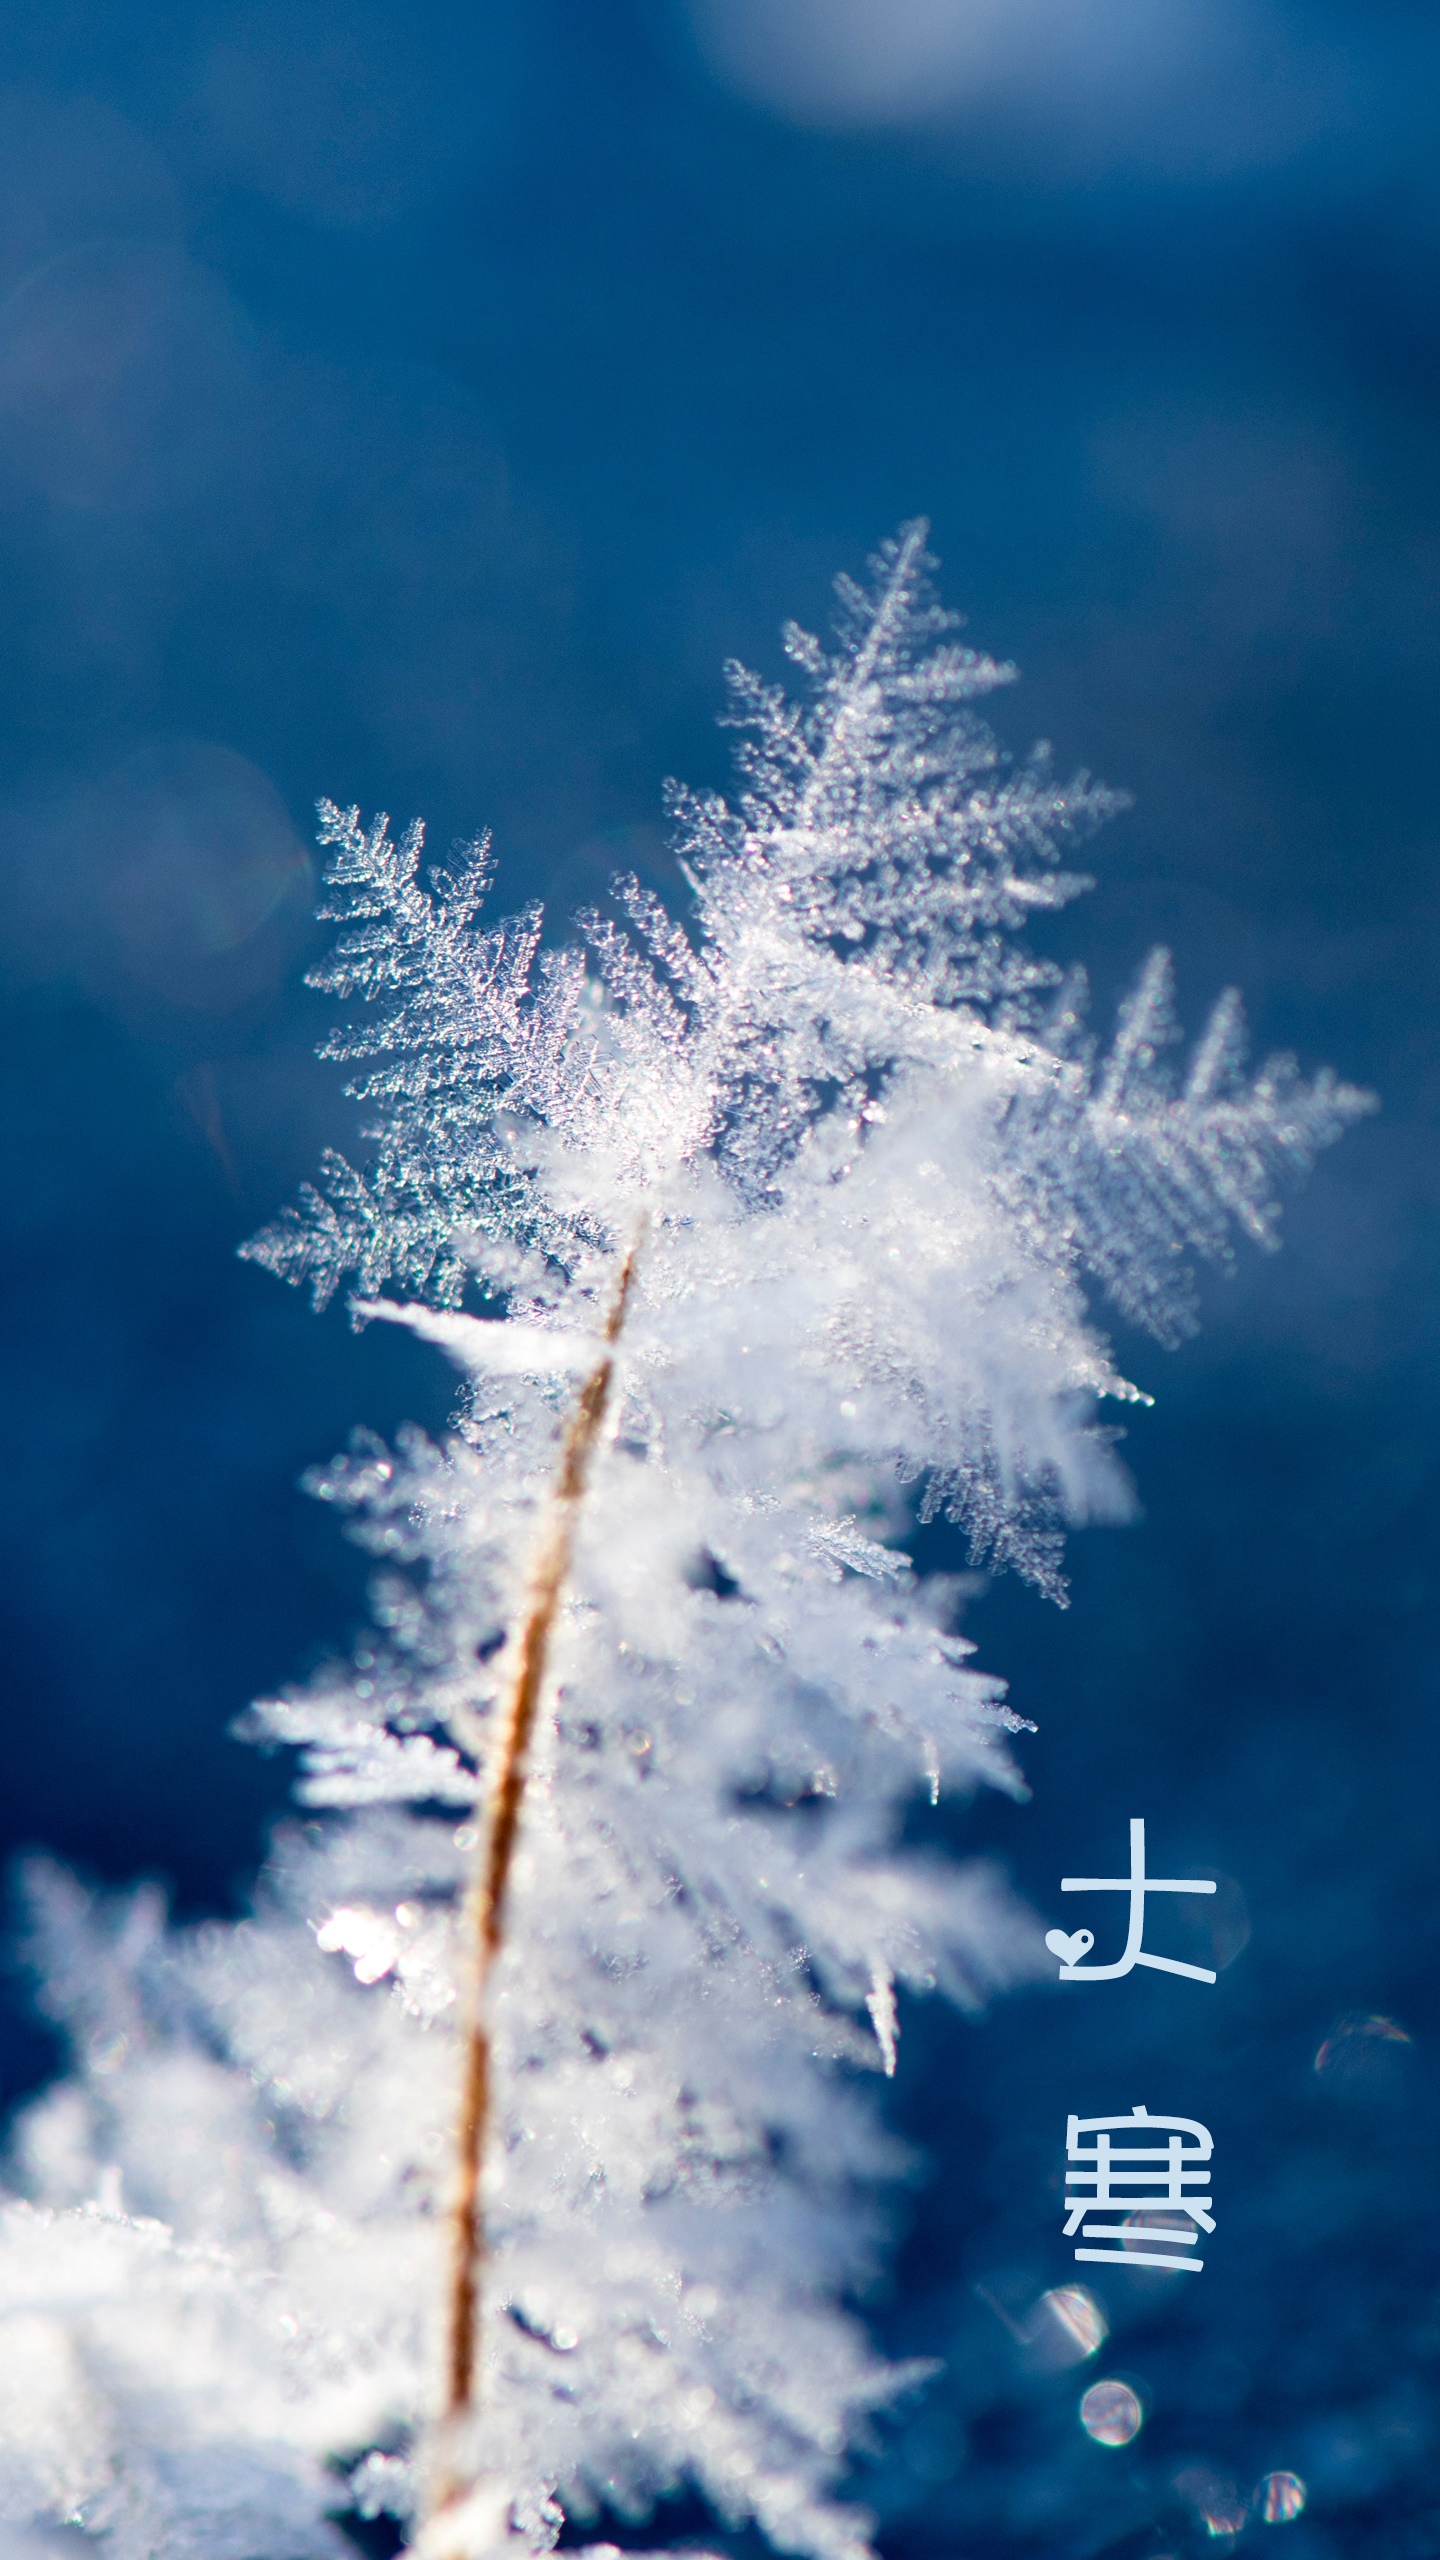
(464, 1027)
(1137, 1176)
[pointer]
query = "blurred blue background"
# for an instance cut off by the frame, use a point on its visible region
(417, 406)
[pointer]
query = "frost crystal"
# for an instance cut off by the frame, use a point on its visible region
(867, 1157)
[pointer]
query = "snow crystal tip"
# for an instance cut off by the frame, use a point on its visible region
(486, 1346)
(884, 2016)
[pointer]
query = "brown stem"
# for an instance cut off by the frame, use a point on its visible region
(486, 1905)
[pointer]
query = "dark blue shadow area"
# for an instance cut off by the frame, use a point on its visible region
(163, 1565)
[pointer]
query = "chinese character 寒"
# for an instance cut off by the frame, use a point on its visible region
(1167, 2176)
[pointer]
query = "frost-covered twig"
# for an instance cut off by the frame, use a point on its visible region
(485, 1911)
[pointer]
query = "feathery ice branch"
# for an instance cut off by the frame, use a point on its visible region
(877, 1162)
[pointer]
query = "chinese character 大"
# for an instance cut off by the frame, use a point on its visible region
(1072, 1948)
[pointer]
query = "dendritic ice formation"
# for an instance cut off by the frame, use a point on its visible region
(867, 1159)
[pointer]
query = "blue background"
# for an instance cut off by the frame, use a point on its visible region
(417, 406)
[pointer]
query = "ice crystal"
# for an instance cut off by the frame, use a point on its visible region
(860, 1141)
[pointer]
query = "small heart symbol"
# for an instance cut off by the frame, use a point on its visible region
(1071, 1949)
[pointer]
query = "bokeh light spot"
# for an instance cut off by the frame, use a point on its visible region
(201, 852)
(1217, 2502)
(1111, 2413)
(1079, 2318)
(123, 373)
(1280, 2497)
(1364, 2055)
(1142, 2230)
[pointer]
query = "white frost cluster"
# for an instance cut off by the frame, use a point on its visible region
(860, 1144)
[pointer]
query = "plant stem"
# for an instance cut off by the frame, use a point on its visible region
(494, 1858)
